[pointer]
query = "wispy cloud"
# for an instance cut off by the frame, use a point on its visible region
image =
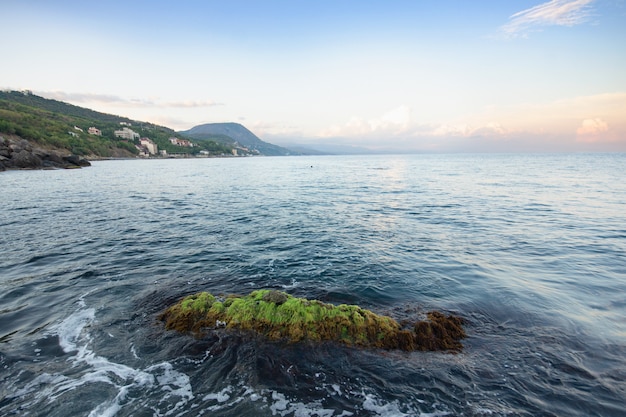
(125, 102)
(551, 13)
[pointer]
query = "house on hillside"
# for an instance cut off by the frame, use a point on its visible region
(151, 147)
(126, 133)
(181, 142)
(94, 131)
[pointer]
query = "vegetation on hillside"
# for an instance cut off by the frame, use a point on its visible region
(52, 123)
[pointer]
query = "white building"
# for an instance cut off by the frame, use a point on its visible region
(152, 148)
(126, 133)
(181, 142)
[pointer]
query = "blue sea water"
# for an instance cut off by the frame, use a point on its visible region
(529, 249)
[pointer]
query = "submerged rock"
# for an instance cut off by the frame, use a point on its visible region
(280, 316)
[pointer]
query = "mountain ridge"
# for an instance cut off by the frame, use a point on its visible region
(238, 135)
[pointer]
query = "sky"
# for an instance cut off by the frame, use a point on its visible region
(377, 76)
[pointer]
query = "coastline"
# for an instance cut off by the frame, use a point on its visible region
(20, 154)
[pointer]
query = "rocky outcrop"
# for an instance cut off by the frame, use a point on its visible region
(16, 153)
(279, 316)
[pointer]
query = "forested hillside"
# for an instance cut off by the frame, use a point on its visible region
(55, 124)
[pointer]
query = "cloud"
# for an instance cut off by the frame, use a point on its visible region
(592, 127)
(398, 119)
(125, 102)
(394, 122)
(592, 130)
(188, 104)
(489, 129)
(448, 129)
(562, 125)
(551, 13)
(494, 129)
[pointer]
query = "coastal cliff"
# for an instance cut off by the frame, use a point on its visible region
(18, 153)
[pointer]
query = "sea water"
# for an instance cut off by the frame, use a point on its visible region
(529, 249)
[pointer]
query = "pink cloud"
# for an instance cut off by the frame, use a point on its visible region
(592, 130)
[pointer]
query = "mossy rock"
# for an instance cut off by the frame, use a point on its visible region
(280, 316)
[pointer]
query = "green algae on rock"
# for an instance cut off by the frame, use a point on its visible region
(280, 316)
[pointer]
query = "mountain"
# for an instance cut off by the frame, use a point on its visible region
(304, 149)
(235, 134)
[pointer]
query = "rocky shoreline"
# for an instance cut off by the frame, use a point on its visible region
(17, 153)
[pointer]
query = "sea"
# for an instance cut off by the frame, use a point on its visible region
(529, 249)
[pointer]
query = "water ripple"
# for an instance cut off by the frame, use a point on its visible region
(528, 249)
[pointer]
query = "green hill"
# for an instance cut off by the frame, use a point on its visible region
(55, 124)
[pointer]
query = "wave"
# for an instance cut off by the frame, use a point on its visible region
(129, 385)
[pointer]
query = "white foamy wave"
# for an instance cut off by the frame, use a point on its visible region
(284, 407)
(281, 404)
(278, 404)
(169, 391)
(393, 409)
(166, 391)
(70, 329)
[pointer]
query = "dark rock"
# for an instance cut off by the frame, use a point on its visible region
(50, 159)
(51, 165)
(26, 159)
(21, 154)
(76, 160)
(72, 159)
(6, 163)
(5, 149)
(41, 153)
(24, 144)
(54, 159)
